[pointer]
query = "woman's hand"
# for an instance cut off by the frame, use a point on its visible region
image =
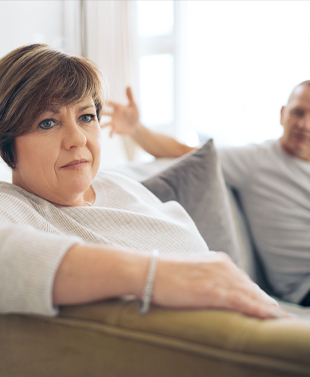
(124, 118)
(90, 273)
(210, 281)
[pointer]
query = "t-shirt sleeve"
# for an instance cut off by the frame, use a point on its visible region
(29, 260)
(238, 164)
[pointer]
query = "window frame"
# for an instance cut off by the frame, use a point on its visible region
(173, 44)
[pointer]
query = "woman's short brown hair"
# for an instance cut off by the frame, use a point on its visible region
(36, 78)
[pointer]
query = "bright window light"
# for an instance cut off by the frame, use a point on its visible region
(244, 58)
(156, 89)
(155, 18)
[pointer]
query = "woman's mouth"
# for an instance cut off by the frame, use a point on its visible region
(75, 164)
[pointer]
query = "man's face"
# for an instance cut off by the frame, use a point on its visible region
(295, 119)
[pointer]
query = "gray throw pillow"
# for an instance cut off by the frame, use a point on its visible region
(196, 182)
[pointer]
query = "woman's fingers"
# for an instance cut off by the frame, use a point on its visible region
(243, 302)
(266, 296)
(211, 281)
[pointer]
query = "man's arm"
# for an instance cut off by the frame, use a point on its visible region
(157, 144)
(125, 120)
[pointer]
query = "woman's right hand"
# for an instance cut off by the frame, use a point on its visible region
(89, 273)
(210, 281)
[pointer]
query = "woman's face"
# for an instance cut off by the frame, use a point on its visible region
(60, 157)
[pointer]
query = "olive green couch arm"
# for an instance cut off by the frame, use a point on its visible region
(110, 339)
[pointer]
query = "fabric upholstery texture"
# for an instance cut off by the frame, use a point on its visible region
(111, 339)
(252, 263)
(196, 182)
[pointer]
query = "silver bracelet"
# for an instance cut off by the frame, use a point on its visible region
(148, 290)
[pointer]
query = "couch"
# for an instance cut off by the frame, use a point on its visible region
(111, 339)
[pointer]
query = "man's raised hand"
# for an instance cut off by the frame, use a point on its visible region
(124, 118)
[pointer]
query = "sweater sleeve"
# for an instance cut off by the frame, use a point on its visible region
(29, 260)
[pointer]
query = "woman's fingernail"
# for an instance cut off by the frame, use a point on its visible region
(275, 314)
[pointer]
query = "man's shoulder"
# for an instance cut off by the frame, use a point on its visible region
(248, 153)
(251, 147)
(240, 164)
(269, 145)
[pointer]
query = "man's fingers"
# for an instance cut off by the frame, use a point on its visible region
(112, 104)
(112, 132)
(130, 96)
(102, 125)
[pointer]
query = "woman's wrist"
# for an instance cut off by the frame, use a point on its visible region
(133, 271)
(90, 273)
(149, 284)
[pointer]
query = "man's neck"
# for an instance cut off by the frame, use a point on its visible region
(293, 153)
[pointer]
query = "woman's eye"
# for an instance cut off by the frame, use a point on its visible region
(87, 118)
(47, 124)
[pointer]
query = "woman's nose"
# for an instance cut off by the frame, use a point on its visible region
(73, 136)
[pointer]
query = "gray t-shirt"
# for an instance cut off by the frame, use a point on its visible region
(35, 235)
(274, 188)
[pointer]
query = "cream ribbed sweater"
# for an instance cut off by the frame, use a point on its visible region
(35, 235)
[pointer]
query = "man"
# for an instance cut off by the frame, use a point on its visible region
(272, 180)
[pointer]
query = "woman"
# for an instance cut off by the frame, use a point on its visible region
(70, 236)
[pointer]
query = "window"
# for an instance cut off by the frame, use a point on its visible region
(244, 58)
(161, 63)
(221, 68)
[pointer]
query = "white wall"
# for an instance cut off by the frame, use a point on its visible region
(24, 22)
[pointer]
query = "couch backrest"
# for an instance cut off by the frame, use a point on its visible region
(252, 262)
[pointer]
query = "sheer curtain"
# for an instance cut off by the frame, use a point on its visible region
(111, 41)
(110, 29)
(106, 33)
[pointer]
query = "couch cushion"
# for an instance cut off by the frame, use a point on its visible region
(112, 339)
(244, 240)
(196, 182)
